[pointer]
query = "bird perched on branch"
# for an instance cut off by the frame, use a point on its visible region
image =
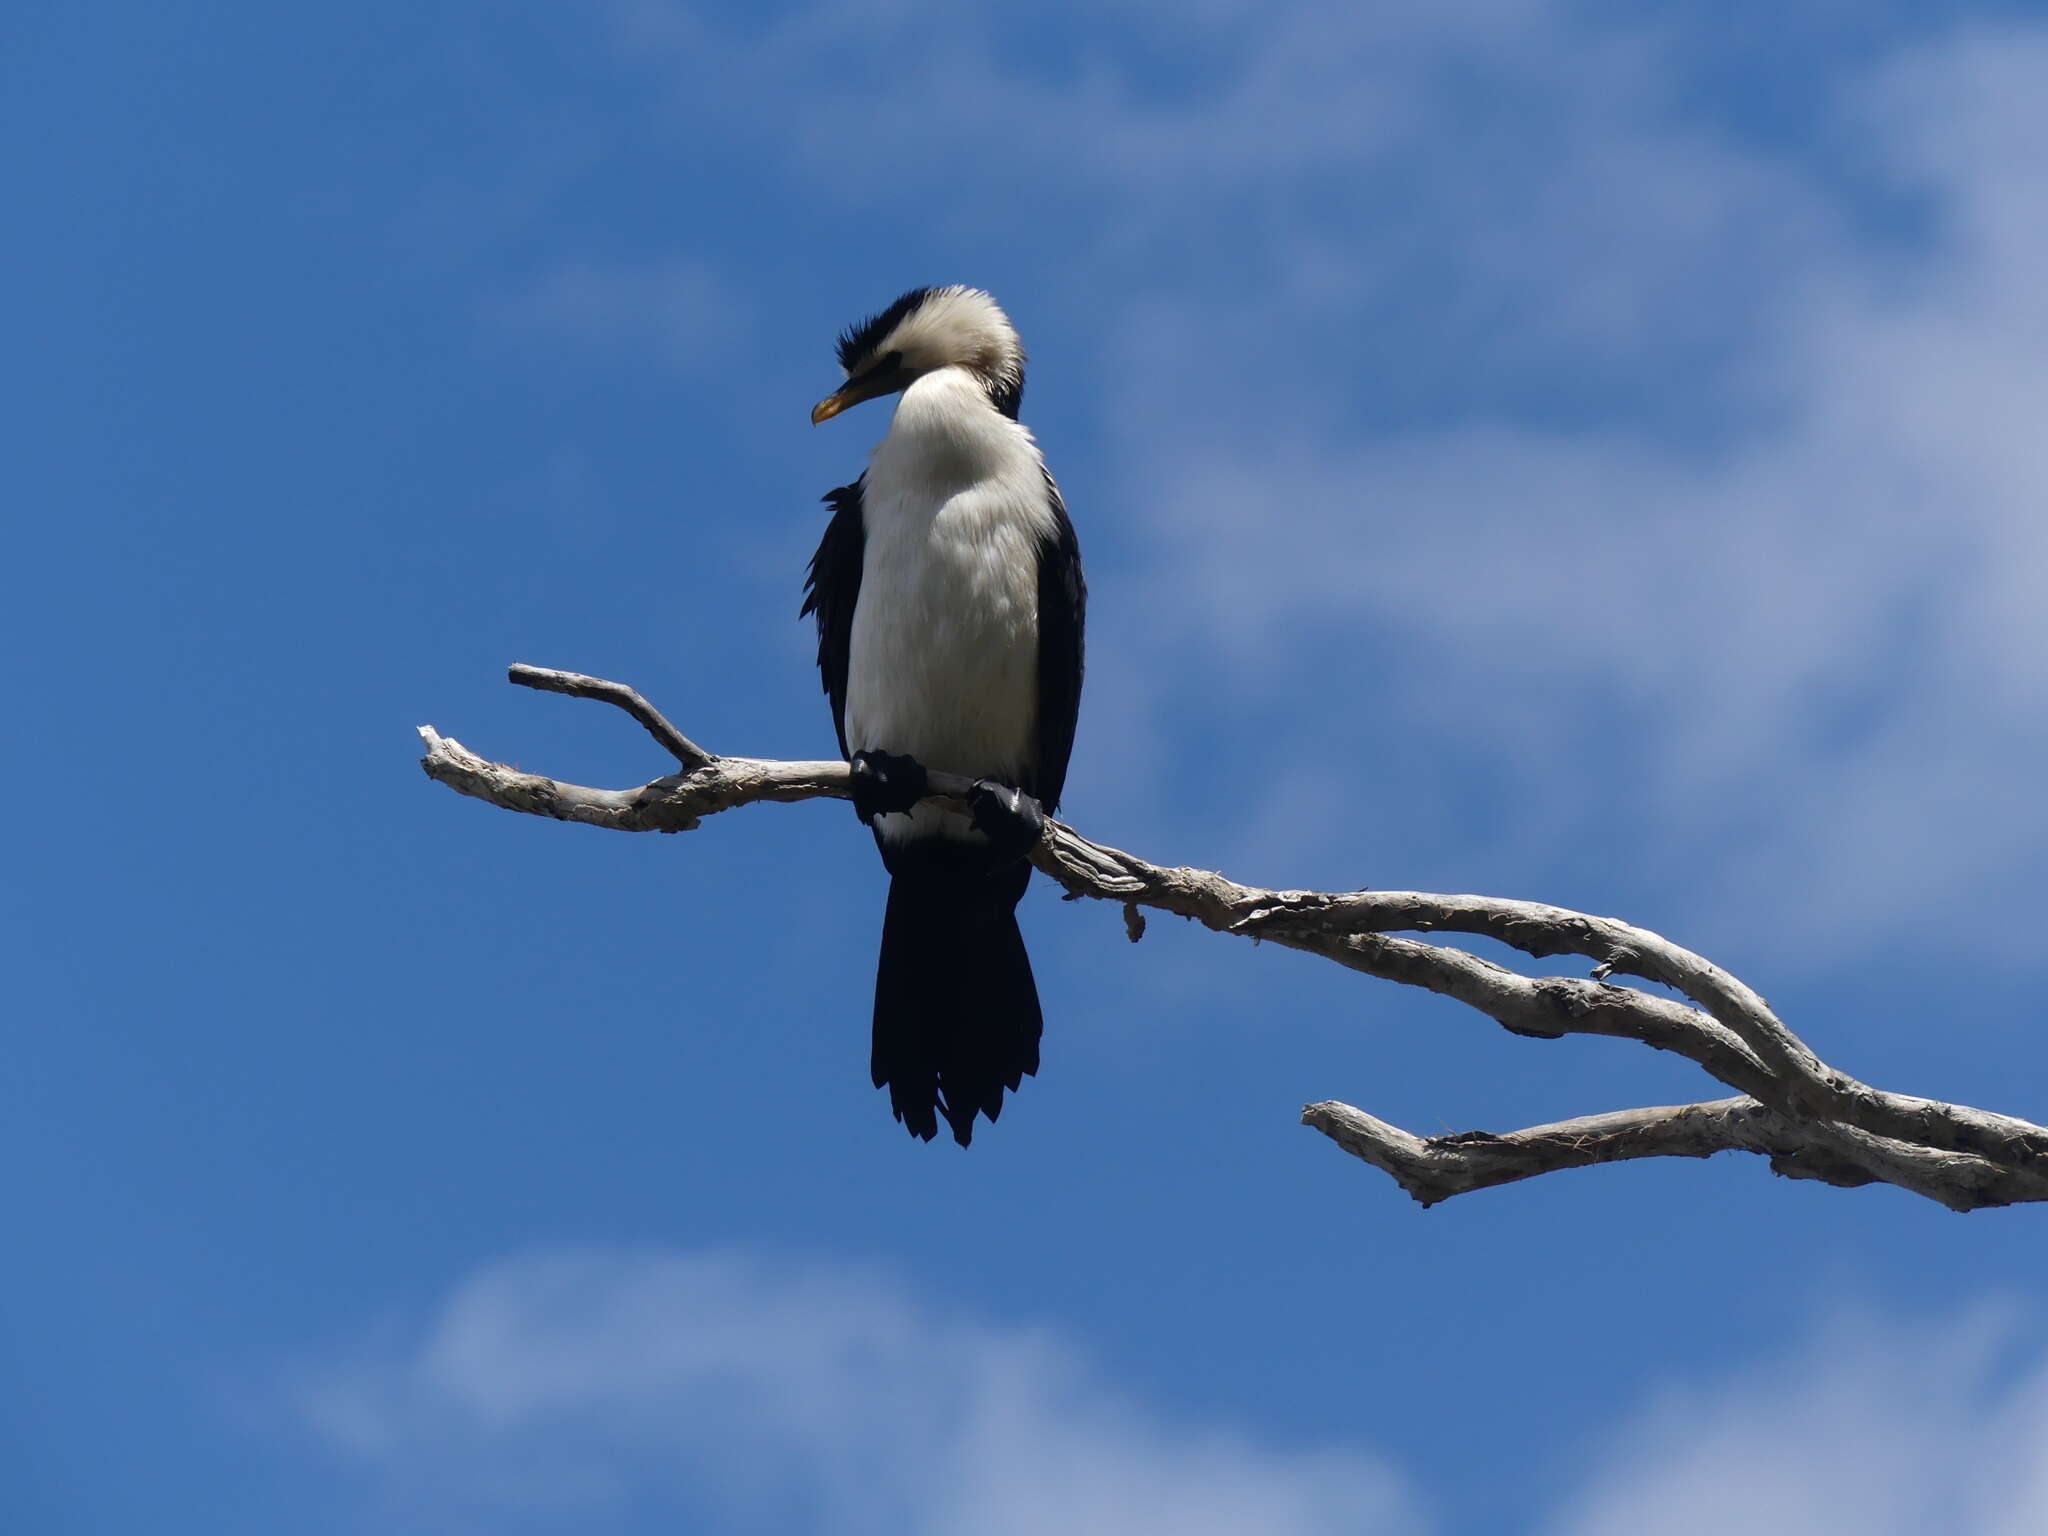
(949, 603)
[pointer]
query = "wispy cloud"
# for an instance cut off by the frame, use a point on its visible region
(1463, 340)
(1817, 636)
(1872, 1429)
(781, 1396)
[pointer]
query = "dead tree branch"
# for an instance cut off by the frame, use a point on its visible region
(1808, 1119)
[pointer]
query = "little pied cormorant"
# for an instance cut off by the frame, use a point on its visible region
(949, 601)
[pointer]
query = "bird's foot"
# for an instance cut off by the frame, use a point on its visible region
(884, 782)
(1011, 820)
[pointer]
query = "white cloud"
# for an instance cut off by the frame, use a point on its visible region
(766, 1395)
(1873, 1429)
(761, 1395)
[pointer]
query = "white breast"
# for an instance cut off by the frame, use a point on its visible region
(944, 662)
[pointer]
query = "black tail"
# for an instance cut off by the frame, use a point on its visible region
(956, 1010)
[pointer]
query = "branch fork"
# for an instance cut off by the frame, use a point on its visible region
(1809, 1120)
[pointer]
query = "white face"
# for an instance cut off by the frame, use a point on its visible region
(950, 328)
(957, 327)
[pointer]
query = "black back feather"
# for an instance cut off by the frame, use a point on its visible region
(1062, 612)
(1007, 396)
(831, 589)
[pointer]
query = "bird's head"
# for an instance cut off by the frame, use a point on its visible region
(926, 329)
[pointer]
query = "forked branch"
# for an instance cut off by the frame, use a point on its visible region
(1809, 1120)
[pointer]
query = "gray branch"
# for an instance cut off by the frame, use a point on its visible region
(577, 686)
(1808, 1119)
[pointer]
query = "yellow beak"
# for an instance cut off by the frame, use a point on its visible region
(830, 406)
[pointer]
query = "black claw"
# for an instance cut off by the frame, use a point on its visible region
(884, 782)
(1011, 820)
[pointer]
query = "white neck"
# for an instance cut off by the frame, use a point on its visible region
(945, 432)
(944, 662)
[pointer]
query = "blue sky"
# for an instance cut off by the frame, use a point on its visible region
(1579, 452)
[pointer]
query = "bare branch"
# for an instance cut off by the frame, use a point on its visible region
(673, 804)
(577, 686)
(1541, 931)
(1435, 1168)
(1811, 1121)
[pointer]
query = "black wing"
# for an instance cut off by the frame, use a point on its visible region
(1062, 608)
(830, 591)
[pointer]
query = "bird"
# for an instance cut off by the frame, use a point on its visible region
(950, 603)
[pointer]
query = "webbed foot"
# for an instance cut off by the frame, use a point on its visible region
(1011, 820)
(884, 782)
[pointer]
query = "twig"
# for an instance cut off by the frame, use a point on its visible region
(577, 686)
